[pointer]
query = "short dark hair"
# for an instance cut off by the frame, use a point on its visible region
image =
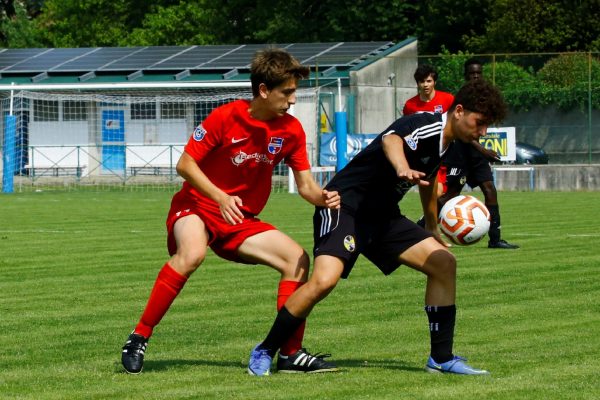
(423, 71)
(273, 66)
(482, 97)
(471, 61)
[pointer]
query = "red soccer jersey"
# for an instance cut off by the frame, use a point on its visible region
(238, 153)
(440, 103)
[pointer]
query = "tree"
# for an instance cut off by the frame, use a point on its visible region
(89, 23)
(267, 21)
(473, 26)
(188, 23)
(338, 20)
(539, 26)
(17, 28)
(446, 24)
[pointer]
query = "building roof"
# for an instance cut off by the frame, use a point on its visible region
(216, 63)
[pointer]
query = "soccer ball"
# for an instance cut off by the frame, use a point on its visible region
(464, 220)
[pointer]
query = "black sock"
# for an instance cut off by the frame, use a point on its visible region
(494, 232)
(441, 330)
(283, 328)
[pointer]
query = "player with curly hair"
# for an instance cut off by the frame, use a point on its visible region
(369, 222)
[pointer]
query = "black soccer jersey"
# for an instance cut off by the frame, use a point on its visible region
(369, 184)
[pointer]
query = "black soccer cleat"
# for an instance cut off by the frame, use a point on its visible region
(304, 362)
(132, 357)
(502, 244)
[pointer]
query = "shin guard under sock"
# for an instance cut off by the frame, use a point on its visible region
(283, 328)
(494, 232)
(441, 330)
(294, 343)
(167, 286)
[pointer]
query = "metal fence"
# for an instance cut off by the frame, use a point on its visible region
(553, 98)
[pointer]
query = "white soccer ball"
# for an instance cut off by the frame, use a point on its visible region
(464, 220)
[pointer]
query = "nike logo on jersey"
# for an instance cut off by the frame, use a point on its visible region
(234, 140)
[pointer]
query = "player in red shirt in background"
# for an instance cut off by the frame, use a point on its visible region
(469, 162)
(227, 165)
(429, 100)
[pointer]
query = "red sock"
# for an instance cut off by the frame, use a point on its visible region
(167, 286)
(294, 343)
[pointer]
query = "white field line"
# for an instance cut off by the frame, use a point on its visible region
(290, 232)
(57, 231)
(567, 234)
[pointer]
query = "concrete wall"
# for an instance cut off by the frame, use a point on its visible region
(562, 178)
(567, 136)
(381, 86)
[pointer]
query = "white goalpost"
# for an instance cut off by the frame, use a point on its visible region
(117, 135)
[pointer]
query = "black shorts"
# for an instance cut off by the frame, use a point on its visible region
(464, 164)
(340, 234)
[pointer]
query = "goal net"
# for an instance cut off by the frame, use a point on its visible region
(116, 138)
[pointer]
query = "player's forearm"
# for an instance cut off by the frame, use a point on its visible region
(312, 193)
(308, 189)
(189, 170)
(429, 204)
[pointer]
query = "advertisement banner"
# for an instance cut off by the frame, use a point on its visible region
(355, 143)
(502, 141)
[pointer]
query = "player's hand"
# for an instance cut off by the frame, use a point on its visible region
(491, 155)
(229, 207)
(437, 235)
(332, 199)
(413, 176)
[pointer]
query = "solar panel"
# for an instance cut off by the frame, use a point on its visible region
(238, 58)
(95, 59)
(348, 53)
(46, 60)
(194, 57)
(178, 58)
(10, 57)
(144, 58)
(307, 53)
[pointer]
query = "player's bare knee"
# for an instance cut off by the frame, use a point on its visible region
(323, 285)
(187, 262)
(297, 265)
(443, 264)
(448, 265)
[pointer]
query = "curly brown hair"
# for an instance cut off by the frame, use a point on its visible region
(274, 66)
(482, 97)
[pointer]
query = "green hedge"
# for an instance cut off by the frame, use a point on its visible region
(562, 80)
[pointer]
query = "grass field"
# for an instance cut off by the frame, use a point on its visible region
(76, 269)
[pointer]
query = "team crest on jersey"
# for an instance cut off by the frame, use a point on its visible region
(438, 109)
(410, 142)
(199, 133)
(349, 243)
(275, 145)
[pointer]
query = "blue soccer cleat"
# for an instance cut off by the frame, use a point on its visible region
(455, 366)
(260, 362)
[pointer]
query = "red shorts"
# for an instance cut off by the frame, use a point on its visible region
(224, 238)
